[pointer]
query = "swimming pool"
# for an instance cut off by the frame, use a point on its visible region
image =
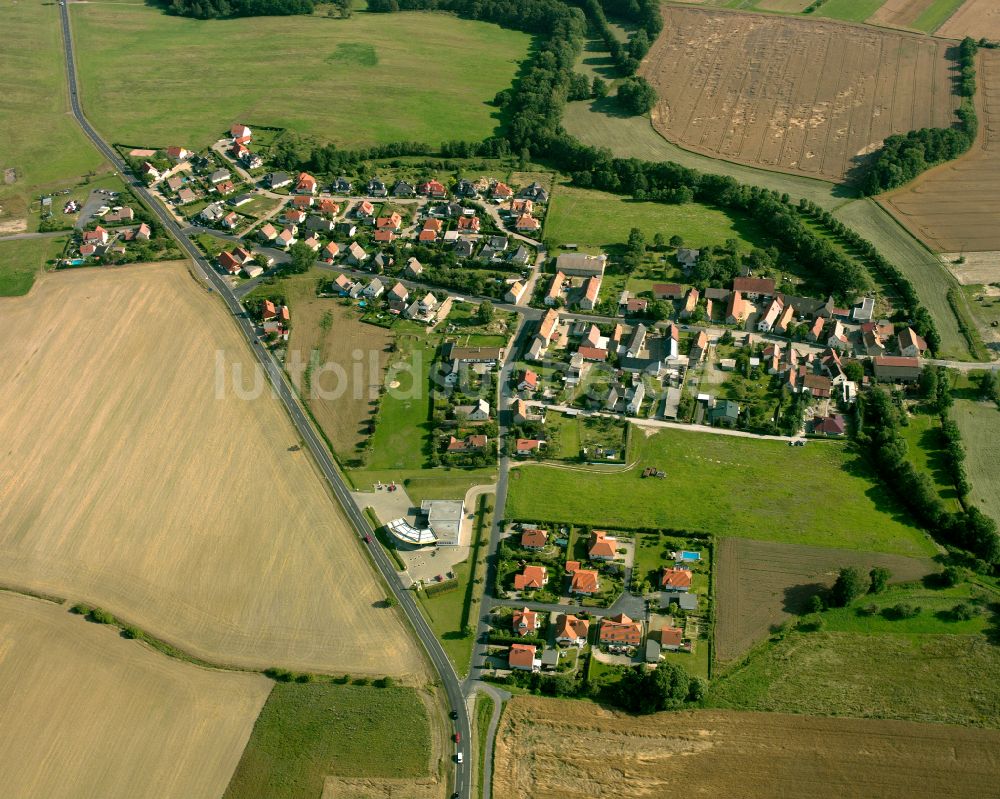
(685, 555)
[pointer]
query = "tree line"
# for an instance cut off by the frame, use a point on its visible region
(217, 9)
(645, 14)
(903, 157)
(878, 434)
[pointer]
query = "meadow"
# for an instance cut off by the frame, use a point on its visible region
(184, 505)
(820, 494)
(87, 713)
(308, 731)
(952, 679)
(980, 423)
(596, 219)
(153, 79)
(22, 259)
(41, 141)
(549, 748)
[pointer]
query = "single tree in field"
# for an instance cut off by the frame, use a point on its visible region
(849, 586)
(879, 578)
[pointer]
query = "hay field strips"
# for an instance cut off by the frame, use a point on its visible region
(792, 94)
(130, 485)
(954, 207)
(86, 714)
(154, 79)
(548, 748)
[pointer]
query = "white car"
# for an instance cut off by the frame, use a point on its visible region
(458, 758)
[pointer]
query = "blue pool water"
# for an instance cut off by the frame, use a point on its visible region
(690, 555)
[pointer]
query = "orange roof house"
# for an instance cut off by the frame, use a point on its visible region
(620, 630)
(501, 191)
(522, 656)
(534, 539)
(306, 183)
(427, 235)
(532, 577)
(432, 224)
(676, 579)
(525, 621)
(470, 223)
(602, 546)
(671, 637)
(571, 630)
(585, 581)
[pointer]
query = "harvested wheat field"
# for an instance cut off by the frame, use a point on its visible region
(792, 94)
(86, 714)
(568, 749)
(129, 484)
(976, 18)
(975, 267)
(955, 206)
(760, 584)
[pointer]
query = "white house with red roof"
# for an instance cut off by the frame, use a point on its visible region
(525, 622)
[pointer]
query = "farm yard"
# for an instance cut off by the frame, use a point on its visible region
(309, 74)
(761, 585)
(979, 422)
(549, 748)
(953, 207)
(978, 18)
(817, 94)
(952, 679)
(87, 713)
(138, 480)
(820, 495)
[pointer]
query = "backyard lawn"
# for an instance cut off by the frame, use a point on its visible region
(820, 494)
(349, 81)
(595, 219)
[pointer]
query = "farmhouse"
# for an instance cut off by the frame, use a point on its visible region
(531, 578)
(620, 630)
(675, 579)
(477, 412)
(522, 656)
(474, 443)
(754, 287)
(571, 630)
(515, 292)
(580, 264)
(671, 638)
(591, 290)
(736, 309)
(554, 293)
(525, 622)
(897, 368)
(910, 344)
(690, 303)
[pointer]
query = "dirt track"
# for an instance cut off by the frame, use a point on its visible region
(86, 714)
(129, 484)
(804, 96)
(566, 749)
(955, 206)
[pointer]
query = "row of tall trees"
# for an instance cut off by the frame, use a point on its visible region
(216, 9)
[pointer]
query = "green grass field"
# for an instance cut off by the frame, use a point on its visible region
(820, 494)
(154, 79)
(39, 138)
(484, 711)
(597, 219)
(850, 10)
(22, 259)
(953, 679)
(308, 731)
(980, 426)
(936, 14)
(924, 450)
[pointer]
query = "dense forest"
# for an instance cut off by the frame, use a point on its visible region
(215, 9)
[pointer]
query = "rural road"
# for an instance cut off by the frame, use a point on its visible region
(449, 679)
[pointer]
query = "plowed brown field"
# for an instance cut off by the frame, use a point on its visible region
(565, 749)
(976, 18)
(955, 206)
(86, 714)
(760, 584)
(796, 95)
(128, 482)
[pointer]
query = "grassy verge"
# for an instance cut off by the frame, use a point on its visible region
(385, 541)
(308, 731)
(483, 714)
